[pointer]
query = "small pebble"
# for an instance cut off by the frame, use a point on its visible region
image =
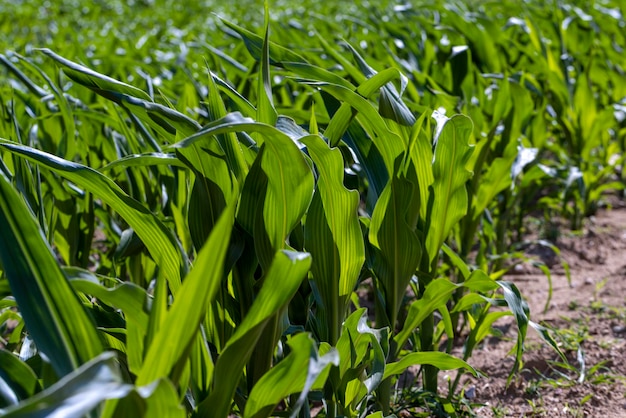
(619, 329)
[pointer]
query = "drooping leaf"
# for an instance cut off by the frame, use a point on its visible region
(18, 380)
(77, 393)
(442, 361)
(160, 241)
(288, 189)
(167, 121)
(54, 316)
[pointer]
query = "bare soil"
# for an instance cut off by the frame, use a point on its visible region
(588, 316)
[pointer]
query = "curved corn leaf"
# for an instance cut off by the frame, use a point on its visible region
(77, 393)
(168, 122)
(388, 143)
(180, 326)
(213, 186)
(361, 349)
(127, 296)
(281, 282)
(333, 235)
(254, 44)
(158, 239)
(437, 293)
(131, 300)
(519, 307)
(17, 379)
(391, 105)
(146, 159)
(53, 314)
(92, 79)
(278, 189)
(442, 361)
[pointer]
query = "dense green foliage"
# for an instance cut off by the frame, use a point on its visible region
(194, 209)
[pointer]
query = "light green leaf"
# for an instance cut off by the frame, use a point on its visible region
(171, 344)
(449, 194)
(437, 293)
(333, 235)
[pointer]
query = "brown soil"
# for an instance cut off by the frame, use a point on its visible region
(589, 313)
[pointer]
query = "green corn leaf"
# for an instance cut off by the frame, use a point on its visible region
(396, 247)
(421, 153)
(30, 84)
(243, 104)
(287, 377)
(449, 194)
(314, 73)
(254, 44)
(360, 348)
(442, 361)
(437, 293)
(128, 297)
(388, 143)
(77, 393)
(159, 399)
(333, 235)
(168, 122)
(485, 328)
(92, 79)
(158, 239)
(496, 179)
(144, 160)
(67, 140)
(280, 283)
(519, 307)
(131, 300)
(17, 379)
(213, 186)
(53, 314)
(278, 189)
(229, 142)
(266, 113)
(178, 330)
(391, 105)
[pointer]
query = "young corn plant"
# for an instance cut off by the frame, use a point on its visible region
(184, 245)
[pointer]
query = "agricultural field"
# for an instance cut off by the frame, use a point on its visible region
(312, 209)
